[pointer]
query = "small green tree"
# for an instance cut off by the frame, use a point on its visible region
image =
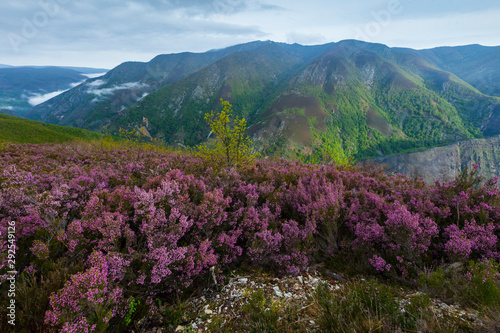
(231, 146)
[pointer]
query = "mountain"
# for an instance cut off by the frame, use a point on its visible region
(476, 64)
(446, 163)
(342, 99)
(87, 70)
(23, 87)
(36, 79)
(93, 103)
(9, 112)
(13, 129)
(174, 112)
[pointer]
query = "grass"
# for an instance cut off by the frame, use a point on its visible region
(370, 306)
(260, 314)
(19, 130)
(475, 285)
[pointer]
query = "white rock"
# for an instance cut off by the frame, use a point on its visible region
(277, 291)
(301, 279)
(236, 293)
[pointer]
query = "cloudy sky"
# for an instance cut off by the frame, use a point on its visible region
(105, 33)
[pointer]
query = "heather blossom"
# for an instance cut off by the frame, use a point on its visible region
(112, 225)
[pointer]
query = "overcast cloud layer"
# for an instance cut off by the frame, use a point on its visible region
(105, 33)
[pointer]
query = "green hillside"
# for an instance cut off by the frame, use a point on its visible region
(349, 99)
(13, 129)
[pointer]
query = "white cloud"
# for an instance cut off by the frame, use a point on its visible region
(36, 99)
(94, 75)
(96, 83)
(143, 95)
(74, 84)
(103, 34)
(7, 107)
(111, 90)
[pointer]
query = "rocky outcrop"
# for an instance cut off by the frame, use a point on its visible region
(445, 163)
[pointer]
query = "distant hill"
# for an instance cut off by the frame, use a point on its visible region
(37, 79)
(9, 112)
(20, 130)
(349, 98)
(89, 104)
(87, 70)
(23, 87)
(476, 64)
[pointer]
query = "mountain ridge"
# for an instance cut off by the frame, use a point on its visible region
(356, 98)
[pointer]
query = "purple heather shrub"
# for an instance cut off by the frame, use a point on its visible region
(472, 242)
(150, 224)
(117, 266)
(211, 213)
(265, 244)
(40, 249)
(379, 264)
(390, 231)
(88, 300)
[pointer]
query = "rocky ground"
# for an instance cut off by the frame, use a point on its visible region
(217, 309)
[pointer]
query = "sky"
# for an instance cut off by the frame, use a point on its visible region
(105, 33)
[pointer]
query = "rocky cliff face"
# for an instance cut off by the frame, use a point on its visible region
(445, 163)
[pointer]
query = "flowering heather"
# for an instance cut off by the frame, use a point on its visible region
(152, 225)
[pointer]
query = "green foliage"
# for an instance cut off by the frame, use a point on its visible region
(263, 312)
(328, 149)
(173, 314)
(417, 118)
(231, 146)
(295, 110)
(132, 308)
(484, 280)
(475, 284)
(139, 139)
(369, 306)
